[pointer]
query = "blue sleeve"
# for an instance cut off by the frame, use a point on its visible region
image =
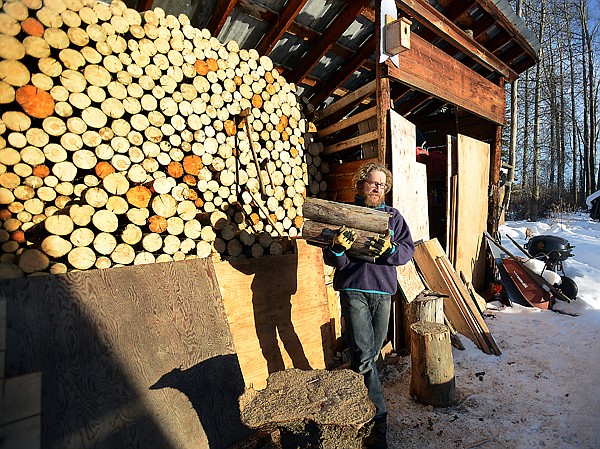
(404, 248)
(334, 259)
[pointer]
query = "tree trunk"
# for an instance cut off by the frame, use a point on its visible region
(533, 216)
(432, 380)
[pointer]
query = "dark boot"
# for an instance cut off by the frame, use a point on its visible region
(378, 437)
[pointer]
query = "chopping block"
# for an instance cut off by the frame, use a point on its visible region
(311, 409)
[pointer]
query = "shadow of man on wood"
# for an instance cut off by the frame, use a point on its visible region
(274, 284)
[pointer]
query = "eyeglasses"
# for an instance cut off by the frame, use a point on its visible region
(376, 184)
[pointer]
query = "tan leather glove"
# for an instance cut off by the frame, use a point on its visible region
(381, 245)
(343, 239)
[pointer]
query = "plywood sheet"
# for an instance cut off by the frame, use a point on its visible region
(278, 312)
(137, 356)
(473, 165)
(409, 280)
(409, 191)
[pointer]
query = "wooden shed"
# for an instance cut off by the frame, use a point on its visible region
(442, 86)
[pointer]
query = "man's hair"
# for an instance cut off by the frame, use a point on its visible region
(363, 173)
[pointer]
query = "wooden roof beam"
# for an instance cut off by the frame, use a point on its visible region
(408, 107)
(263, 13)
(434, 20)
(344, 72)
(291, 9)
(314, 36)
(144, 5)
(349, 99)
(219, 16)
(498, 41)
(329, 37)
(459, 10)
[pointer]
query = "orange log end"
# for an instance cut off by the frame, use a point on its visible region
(103, 169)
(33, 27)
(35, 102)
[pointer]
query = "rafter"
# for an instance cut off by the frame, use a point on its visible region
(286, 17)
(144, 5)
(344, 72)
(329, 37)
(498, 41)
(413, 104)
(313, 36)
(459, 10)
(219, 16)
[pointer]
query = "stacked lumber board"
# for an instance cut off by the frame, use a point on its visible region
(130, 138)
(460, 307)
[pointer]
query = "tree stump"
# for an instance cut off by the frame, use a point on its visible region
(312, 409)
(427, 306)
(432, 379)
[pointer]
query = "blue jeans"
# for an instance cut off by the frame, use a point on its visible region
(367, 317)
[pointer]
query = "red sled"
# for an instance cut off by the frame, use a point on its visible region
(533, 294)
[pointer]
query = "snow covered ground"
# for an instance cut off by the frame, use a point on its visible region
(543, 391)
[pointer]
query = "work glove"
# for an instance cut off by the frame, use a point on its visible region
(343, 239)
(381, 245)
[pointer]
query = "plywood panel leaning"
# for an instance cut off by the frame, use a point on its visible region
(278, 312)
(129, 357)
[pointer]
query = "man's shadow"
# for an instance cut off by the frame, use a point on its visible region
(213, 388)
(274, 284)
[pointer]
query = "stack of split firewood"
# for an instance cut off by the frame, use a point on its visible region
(130, 138)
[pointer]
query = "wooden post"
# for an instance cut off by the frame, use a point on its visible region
(427, 306)
(382, 93)
(432, 379)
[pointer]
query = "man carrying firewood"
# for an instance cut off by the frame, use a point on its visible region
(366, 287)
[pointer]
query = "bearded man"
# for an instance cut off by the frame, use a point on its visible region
(366, 288)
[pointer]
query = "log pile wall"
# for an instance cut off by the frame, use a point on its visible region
(131, 138)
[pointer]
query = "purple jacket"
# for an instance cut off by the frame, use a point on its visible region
(378, 277)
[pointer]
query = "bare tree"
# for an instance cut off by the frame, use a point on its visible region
(533, 214)
(512, 150)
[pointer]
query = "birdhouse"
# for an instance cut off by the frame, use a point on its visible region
(397, 35)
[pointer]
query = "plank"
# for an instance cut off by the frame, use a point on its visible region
(473, 163)
(278, 312)
(130, 357)
(409, 190)
(347, 122)
(409, 281)
(426, 263)
(353, 142)
(448, 79)
(464, 311)
(346, 100)
(463, 298)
